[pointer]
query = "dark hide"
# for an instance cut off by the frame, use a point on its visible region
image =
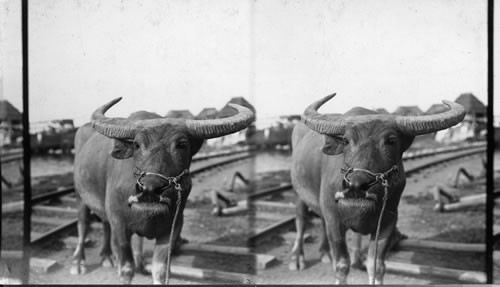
(316, 175)
(105, 178)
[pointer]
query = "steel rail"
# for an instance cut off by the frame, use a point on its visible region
(414, 168)
(71, 225)
(426, 163)
(200, 157)
(52, 195)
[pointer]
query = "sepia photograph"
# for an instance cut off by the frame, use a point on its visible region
(246, 142)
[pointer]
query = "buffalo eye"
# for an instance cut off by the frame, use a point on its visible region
(345, 141)
(181, 145)
(391, 140)
(136, 145)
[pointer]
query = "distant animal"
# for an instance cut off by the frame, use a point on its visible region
(347, 169)
(134, 174)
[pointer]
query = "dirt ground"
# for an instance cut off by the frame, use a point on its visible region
(417, 219)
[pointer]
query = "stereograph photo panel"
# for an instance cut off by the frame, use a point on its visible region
(271, 142)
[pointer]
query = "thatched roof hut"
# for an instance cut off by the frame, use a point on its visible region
(227, 111)
(472, 105)
(408, 111)
(8, 112)
(180, 114)
(207, 114)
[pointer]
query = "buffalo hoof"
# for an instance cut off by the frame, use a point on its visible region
(125, 279)
(78, 268)
(325, 257)
(141, 269)
(297, 263)
(107, 261)
(340, 282)
(126, 274)
(357, 265)
(357, 260)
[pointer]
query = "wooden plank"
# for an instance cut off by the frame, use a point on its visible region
(270, 191)
(262, 261)
(53, 232)
(10, 281)
(234, 209)
(11, 207)
(50, 195)
(38, 265)
(68, 199)
(208, 274)
(451, 246)
(496, 229)
(425, 270)
(243, 250)
(11, 254)
(42, 265)
(273, 204)
(496, 256)
(472, 201)
(270, 229)
(205, 274)
(72, 241)
(48, 220)
(64, 210)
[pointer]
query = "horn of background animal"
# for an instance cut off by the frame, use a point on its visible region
(413, 125)
(126, 129)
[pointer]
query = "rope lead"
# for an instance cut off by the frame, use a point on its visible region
(382, 178)
(170, 243)
(386, 195)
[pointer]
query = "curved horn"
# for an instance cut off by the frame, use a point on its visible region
(220, 127)
(413, 125)
(112, 127)
(419, 125)
(125, 129)
(323, 124)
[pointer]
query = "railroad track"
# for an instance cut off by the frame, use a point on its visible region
(61, 203)
(414, 163)
(66, 206)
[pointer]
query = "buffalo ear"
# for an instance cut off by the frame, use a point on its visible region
(196, 144)
(333, 145)
(122, 149)
(406, 142)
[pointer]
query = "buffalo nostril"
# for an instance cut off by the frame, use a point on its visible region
(138, 188)
(345, 184)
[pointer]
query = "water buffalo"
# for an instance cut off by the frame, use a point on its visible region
(134, 174)
(347, 168)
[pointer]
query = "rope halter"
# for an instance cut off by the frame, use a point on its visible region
(379, 177)
(175, 180)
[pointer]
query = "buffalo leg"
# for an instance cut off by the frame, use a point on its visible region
(356, 251)
(160, 253)
(336, 238)
(106, 253)
(137, 250)
(78, 266)
(324, 246)
(297, 259)
(123, 250)
(377, 276)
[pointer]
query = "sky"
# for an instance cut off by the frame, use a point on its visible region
(280, 55)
